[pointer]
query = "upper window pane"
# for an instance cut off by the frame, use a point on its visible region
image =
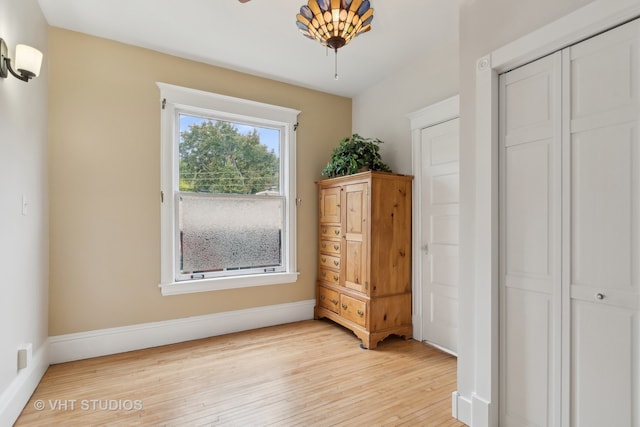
(217, 156)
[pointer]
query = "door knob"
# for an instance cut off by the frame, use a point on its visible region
(599, 296)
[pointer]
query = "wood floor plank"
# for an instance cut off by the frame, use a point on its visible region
(310, 373)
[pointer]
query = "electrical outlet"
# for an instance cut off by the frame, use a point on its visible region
(25, 353)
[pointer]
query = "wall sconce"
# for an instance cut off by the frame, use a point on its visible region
(28, 61)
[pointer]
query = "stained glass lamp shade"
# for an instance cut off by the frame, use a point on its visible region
(334, 23)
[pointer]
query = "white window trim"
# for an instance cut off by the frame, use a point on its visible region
(176, 97)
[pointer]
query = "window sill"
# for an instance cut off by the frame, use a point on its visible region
(220, 283)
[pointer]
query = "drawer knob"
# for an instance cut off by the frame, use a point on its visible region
(360, 313)
(334, 301)
(336, 278)
(324, 230)
(336, 263)
(324, 245)
(336, 247)
(322, 297)
(324, 274)
(345, 306)
(324, 259)
(337, 232)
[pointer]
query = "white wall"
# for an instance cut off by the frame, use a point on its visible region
(24, 240)
(381, 111)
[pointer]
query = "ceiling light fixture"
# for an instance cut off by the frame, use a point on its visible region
(334, 23)
(28, 62)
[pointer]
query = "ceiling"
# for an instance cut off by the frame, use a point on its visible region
(261, 38)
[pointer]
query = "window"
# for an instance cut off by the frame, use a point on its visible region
(228, 192)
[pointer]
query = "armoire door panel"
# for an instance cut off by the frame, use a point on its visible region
(354, 263)
(329, 204)
(604, 365)
(355, 202)
(355, 249)
(603, 220)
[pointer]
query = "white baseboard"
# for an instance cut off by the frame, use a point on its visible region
(481, 412)
(83, 345)
(16, 396)
(461, 408)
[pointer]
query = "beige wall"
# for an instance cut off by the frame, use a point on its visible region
(105, 178)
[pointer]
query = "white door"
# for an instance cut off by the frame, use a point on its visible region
(439, 240)
(530, 245)
(570, 236)
(601, 228)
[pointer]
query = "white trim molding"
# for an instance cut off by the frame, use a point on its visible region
(175, 99)
(461, 408)
(432, 115)
(17, 395)
(594, 18)
(83, 345)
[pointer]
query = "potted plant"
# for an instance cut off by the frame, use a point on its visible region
(355, 154)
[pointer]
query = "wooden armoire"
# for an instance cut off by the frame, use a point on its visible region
(364, 254)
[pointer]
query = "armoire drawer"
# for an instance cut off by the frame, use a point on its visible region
(326, 275)
(353, 309)
(329, 299)
(330, 246)
(329, 261)
(332, 232)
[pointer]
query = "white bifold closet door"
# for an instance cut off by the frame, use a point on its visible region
(570, 236)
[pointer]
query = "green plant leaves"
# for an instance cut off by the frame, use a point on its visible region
(354, 154)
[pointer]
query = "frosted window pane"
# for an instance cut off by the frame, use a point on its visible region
(219, 233)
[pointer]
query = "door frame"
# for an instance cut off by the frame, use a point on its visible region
(443, 111)
(481, 408)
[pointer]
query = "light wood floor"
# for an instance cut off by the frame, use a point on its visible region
(310, 373)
